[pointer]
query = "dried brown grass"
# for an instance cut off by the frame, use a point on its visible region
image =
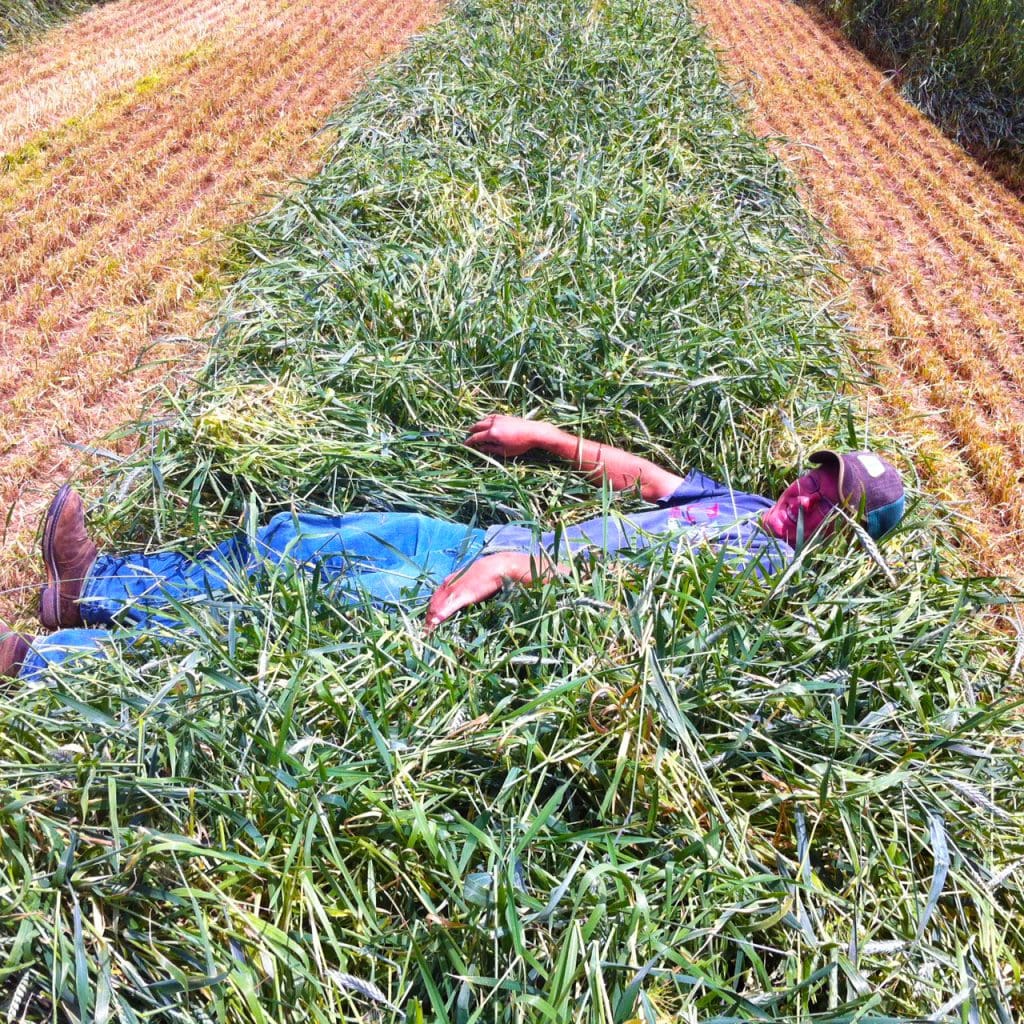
(76, 67)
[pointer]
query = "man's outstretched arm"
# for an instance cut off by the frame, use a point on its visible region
(483, 579)
(509, 436)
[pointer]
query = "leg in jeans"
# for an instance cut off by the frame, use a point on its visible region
(383, 557)
(66, 645)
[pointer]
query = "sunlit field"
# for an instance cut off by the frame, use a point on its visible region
(656, 790)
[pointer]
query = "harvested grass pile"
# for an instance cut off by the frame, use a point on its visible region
(519, 229)
(654, 791)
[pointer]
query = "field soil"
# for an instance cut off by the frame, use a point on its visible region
(933, 267)
(129, 140)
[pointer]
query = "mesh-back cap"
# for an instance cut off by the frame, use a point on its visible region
(868, 482)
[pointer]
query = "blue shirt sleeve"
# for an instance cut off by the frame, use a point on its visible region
(695, 486)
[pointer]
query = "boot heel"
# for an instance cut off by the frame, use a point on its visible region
(49, 608)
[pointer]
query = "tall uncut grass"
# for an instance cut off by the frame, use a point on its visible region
(961, 62)
(654, 791)
(20, 19)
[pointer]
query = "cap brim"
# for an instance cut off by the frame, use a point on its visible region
(828, 457)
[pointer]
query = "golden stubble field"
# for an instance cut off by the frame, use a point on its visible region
(130, 140)
(934, 246)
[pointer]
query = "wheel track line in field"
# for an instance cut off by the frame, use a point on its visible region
(947, 236)
(154, 215)
(261, 130)
(135, 26)
(80, 248)
(220, 75)
(195, 73)
(64, 46)
(160, 129)
(75, 90)
(59, 95)
(134, 287)
(160, 187)
(153, 211)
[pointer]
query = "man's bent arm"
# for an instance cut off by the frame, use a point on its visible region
(484, 578)
(512, 435)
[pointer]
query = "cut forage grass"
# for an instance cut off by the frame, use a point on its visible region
(652, 790)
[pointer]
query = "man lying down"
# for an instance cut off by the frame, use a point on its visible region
(389, 557)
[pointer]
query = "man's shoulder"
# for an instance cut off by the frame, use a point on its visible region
(697, 487)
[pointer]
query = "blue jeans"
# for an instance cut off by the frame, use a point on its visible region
(380, 557)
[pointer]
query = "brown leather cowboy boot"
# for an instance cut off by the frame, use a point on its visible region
(68, 553)
(13, 650)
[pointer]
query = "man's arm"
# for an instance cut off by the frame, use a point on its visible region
(484, 578)
(509, 436)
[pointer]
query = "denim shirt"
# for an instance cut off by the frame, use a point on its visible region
(699, 511)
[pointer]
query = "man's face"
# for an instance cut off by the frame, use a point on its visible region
(807, 500)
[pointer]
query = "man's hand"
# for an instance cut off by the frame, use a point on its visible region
(483, 579)
(510, 436)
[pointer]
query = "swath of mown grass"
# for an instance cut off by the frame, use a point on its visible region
(655, 790)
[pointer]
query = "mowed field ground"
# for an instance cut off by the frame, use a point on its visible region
(130, 140)
(934, 248)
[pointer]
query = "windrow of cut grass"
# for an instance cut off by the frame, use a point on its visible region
(962, 63)
(652, 791)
